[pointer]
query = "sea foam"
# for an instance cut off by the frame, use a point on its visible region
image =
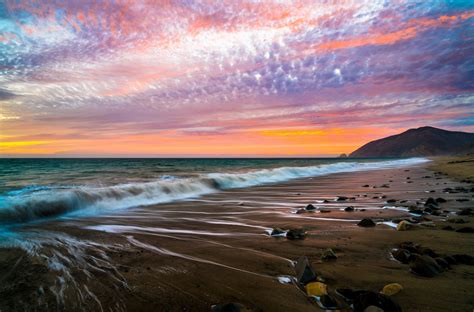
(19, 206)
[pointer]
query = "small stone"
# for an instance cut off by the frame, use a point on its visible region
(403, 226)
(431, 201)
(466, 229)
(310, 207)
(304, 271)
(294, 234)
(402, 255)
(391, 289)
(365, 185)
(342, 198)
(366, 223)
(440, 200)
(277, 232)
(300, 211)
(349, 209)
(317, 289)
(391, 201)
(327, 302)
(328, 254)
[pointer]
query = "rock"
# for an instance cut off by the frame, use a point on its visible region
(229, 307)
(462, 200)
(296, 234)
(440, 200)
(324, 210)
(328, 254)
(342, 198)
(349, 209)
(327, 302)
(277, 232)
(463, 259)
(442, 263)
(310, 207)
(450, 260)
(466, 229)
(465, 212)
(366, 223)
(425, 266)
(431, 201)
(367, 299)
(325, 201)
(365, 185)
(300, 211)
(402, 255)
(391, 201)
(317, 289)
(391, 289)
(403, 226)
(448, 228)
(304, 271)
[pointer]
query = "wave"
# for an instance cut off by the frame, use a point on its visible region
(23, 206)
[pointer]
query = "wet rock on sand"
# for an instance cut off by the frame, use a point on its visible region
(368, 298)
(327, 302)
(310, 207)
(277, 232)
(391, 289)
(304, 271)
(317, 289)
(403, 226)
(425, 266)
(328, 254)
(349, 209)
(294, 234)
(366, 223)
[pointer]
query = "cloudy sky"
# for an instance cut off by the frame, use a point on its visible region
(235, 78)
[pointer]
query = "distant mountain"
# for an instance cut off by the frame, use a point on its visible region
(424, 141)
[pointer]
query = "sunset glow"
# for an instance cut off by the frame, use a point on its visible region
(229, 78)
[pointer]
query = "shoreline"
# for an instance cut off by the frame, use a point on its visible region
(213, 250)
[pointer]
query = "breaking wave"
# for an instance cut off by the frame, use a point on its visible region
(42, 202)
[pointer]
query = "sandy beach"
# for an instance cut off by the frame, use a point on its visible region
(212, 250)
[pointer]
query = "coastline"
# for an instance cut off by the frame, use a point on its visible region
(456, 167)
(211, 250)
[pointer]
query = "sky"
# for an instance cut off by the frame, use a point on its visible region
(229, 78)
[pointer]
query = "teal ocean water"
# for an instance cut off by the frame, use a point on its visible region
(35, 189)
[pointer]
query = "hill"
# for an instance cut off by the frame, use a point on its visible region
(424, 141)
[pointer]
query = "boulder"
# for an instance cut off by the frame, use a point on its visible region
(317, 289)
(328, 254)
(425, 266)
(366, 223)
(304, 271)
(296, 234)
(391, 289)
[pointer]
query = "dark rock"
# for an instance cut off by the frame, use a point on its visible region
(465, 212)
(425, 266)
(346, 293)
(464, 259)
(428, 251)
(328, 254)
(440, 200)
(366, 185)
(365, 299)
(296, 234)
(442, 263)
(310, 207)
(349, 209)
(300, 211)
(417, 211)
(277, 232)
(431, 201)
(466, 229)
(448, 228)
(450, 259)
(428, 210)
(328, 302)
(229, 307)
(363, 209)
(384, 186)
(304, 271)
(383, 196)
(402, 255)
(366, 223)
(342, 198)
(391, 201)
(462, 200)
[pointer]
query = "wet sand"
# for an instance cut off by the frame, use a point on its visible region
(190, 255)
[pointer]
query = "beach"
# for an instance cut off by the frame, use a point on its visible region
(195, 253)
